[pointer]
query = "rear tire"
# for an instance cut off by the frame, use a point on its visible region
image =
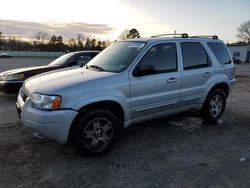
(213, 106)
(96, 133)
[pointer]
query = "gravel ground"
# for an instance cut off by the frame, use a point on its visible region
(178, 151)
(243, 69)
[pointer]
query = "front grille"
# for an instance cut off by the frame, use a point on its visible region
(23, 96)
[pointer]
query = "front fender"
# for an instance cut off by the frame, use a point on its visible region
(98, 96)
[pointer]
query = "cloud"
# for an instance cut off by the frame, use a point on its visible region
(66, 29)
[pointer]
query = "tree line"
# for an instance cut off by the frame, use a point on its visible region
(43, 42)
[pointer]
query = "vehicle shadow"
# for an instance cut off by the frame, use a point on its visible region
(7, 97)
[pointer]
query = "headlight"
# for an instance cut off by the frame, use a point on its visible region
(12, 77)
(45, 102)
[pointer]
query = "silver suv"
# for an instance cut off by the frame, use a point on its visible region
(129, 82)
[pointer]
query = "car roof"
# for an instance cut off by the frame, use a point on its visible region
(85, 51)
(174, 39)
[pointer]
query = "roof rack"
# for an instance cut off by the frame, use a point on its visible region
(182, 35)
(185, 35)
(205, 36)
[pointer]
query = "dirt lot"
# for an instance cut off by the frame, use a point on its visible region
(177, 151)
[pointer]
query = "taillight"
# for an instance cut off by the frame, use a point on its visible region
(234, 70)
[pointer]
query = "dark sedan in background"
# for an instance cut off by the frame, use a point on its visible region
(5, 55)
(11, 81)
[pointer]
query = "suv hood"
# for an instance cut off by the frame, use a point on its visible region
(56, 82)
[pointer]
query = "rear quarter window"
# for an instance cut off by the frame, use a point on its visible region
(220, 52)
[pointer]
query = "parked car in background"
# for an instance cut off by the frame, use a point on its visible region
(5, 55)
(129, 82)
(237, 61)
(11, 81)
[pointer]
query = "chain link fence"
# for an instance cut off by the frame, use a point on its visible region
(34, 54)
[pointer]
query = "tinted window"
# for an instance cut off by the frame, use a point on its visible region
(82, 59)
(220, 52)
(194, 55)
(162, 58)
(94, 54)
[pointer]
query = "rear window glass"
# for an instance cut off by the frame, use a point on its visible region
(194, 55)
(220, 52)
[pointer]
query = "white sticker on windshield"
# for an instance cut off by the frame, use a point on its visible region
(136, 45)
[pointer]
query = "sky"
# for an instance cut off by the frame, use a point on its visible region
(108, 18)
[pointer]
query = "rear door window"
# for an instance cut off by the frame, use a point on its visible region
(194, 55)
(220, 52)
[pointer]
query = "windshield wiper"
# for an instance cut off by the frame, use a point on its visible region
(95, 67)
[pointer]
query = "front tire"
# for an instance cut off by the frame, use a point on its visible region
(96, 133)
(213, 106)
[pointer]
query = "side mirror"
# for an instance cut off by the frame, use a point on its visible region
(143, 70)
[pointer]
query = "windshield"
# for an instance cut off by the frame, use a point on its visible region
(61, 60)
(117, 57)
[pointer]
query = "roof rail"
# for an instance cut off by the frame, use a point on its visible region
(205, 36)
(182, 35)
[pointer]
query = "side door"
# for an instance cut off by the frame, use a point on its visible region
(155, 81)
(197, 70)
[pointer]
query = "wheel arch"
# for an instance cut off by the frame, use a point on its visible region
(110, 105)
(219, 85)
(222, 85)
(205, 112)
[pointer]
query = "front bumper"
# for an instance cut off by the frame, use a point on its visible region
(10, 86)
(54, 125)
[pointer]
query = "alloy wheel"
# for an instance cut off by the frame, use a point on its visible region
(98, 133)
(216, 105)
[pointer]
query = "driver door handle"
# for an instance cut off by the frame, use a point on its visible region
(207, 74)
(171, 80)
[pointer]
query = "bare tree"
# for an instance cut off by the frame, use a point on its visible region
(124, 34)
(80, 39)
(244, 32)
(41, 38)
(129, 34)
(72, 43)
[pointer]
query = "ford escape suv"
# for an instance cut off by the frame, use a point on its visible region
(129, 82)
